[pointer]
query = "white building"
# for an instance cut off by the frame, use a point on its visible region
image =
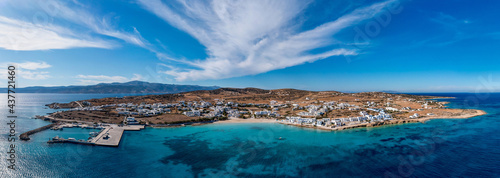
(130, 121)
(193, 113)
(391, 109)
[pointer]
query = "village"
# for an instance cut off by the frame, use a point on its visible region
(321, 110)
(313, 113)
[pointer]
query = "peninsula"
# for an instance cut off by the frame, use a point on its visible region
(329, 110)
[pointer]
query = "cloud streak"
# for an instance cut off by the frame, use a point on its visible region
(33, 65)
(252, 37)
(42, 32)
(96, 79)
(34, 75)
(24, 36)
(28, 70)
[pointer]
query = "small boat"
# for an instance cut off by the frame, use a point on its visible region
(93, 134)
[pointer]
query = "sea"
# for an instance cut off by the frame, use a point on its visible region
(436, 148)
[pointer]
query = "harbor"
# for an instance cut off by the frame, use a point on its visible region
(110, 135)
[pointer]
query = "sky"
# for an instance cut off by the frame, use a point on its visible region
(342, 45)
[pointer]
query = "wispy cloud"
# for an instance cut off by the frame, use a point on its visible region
(137, 77)
(33, 65)
(34, 75)
(41, 32)
(456, 31)
(252, 37)
(28, 70)
(22, 36)
(449, 21)
(31, 70)
(100, 25)
(96, 79)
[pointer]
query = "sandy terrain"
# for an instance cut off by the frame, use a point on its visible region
(239, 120)
(464, 114)
(358, 102)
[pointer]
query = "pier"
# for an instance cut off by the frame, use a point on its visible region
(69, 140)
(110, 135)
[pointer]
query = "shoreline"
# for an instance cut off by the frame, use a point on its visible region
(465, 116)
(360, 125)
(25, 136)
(391, 122)
(443, 97)
(240, 120)
(264, 120)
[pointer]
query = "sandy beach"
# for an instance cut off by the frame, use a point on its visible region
(465, 114)
(239, 120)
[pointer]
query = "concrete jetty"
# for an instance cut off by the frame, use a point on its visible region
(109, 136)
(69, 140)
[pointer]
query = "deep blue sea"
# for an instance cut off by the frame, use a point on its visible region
(437, 148)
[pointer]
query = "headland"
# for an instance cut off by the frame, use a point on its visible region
(329, 110)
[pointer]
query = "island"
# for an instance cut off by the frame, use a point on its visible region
(328, 110)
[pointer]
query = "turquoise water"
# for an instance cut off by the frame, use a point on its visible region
(445, 148)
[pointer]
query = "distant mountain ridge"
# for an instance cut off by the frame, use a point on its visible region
(127, 87)
(391, 91)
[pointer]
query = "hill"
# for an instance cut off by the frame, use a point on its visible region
(350, 110)
(128, 87)
(249, 95)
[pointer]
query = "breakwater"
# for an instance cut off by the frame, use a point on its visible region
(25, 135)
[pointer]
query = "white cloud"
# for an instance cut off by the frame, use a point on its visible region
(101, 26)
(22, 36)
(34, 75)
(28, 70)
(251, 37)
(33, 65)
(41, 32)
(96, 79)
(137, 77)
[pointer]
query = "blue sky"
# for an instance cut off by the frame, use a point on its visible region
(344, 45)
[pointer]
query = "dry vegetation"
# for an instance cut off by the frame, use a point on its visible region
(256, 96)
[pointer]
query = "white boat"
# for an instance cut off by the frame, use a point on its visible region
(93, 134)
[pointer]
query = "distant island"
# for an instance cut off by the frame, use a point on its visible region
(128, 87)
(329, 110)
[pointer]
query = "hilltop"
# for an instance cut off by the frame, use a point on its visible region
(256, 95)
